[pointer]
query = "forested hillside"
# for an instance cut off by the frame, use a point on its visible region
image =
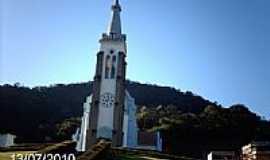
(26, 111)
(215, 128)
(188, 122)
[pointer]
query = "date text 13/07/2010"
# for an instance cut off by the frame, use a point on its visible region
(36, 156)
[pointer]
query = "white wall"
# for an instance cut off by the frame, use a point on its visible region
(7, 140)
(105, 117)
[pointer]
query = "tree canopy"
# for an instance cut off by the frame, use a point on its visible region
(189, 123)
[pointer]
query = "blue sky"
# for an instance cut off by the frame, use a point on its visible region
(219, 49)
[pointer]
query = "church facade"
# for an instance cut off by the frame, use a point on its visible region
(110, 112)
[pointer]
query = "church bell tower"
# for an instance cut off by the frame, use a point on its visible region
(107, 107)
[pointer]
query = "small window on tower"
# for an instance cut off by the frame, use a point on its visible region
(107, 66)
(111, 51)
(113, 67)
(114, 58)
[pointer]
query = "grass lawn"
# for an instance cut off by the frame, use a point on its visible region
(7, 155)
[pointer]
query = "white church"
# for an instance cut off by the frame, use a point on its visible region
(110, 112)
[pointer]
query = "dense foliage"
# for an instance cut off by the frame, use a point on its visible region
(32, 113)
(215, 128)
(188, 122)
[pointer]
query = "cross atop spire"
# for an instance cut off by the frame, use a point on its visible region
(115, 23)
(116, 3)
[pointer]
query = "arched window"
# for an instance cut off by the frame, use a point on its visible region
(107, 66)
(113, 67)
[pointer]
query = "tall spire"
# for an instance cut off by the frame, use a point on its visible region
(116, 2)
(115, 23)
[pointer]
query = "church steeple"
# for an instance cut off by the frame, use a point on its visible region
(108, 96)
(115, 22)
(116, 3)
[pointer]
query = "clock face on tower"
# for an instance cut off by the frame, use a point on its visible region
(107, 100)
